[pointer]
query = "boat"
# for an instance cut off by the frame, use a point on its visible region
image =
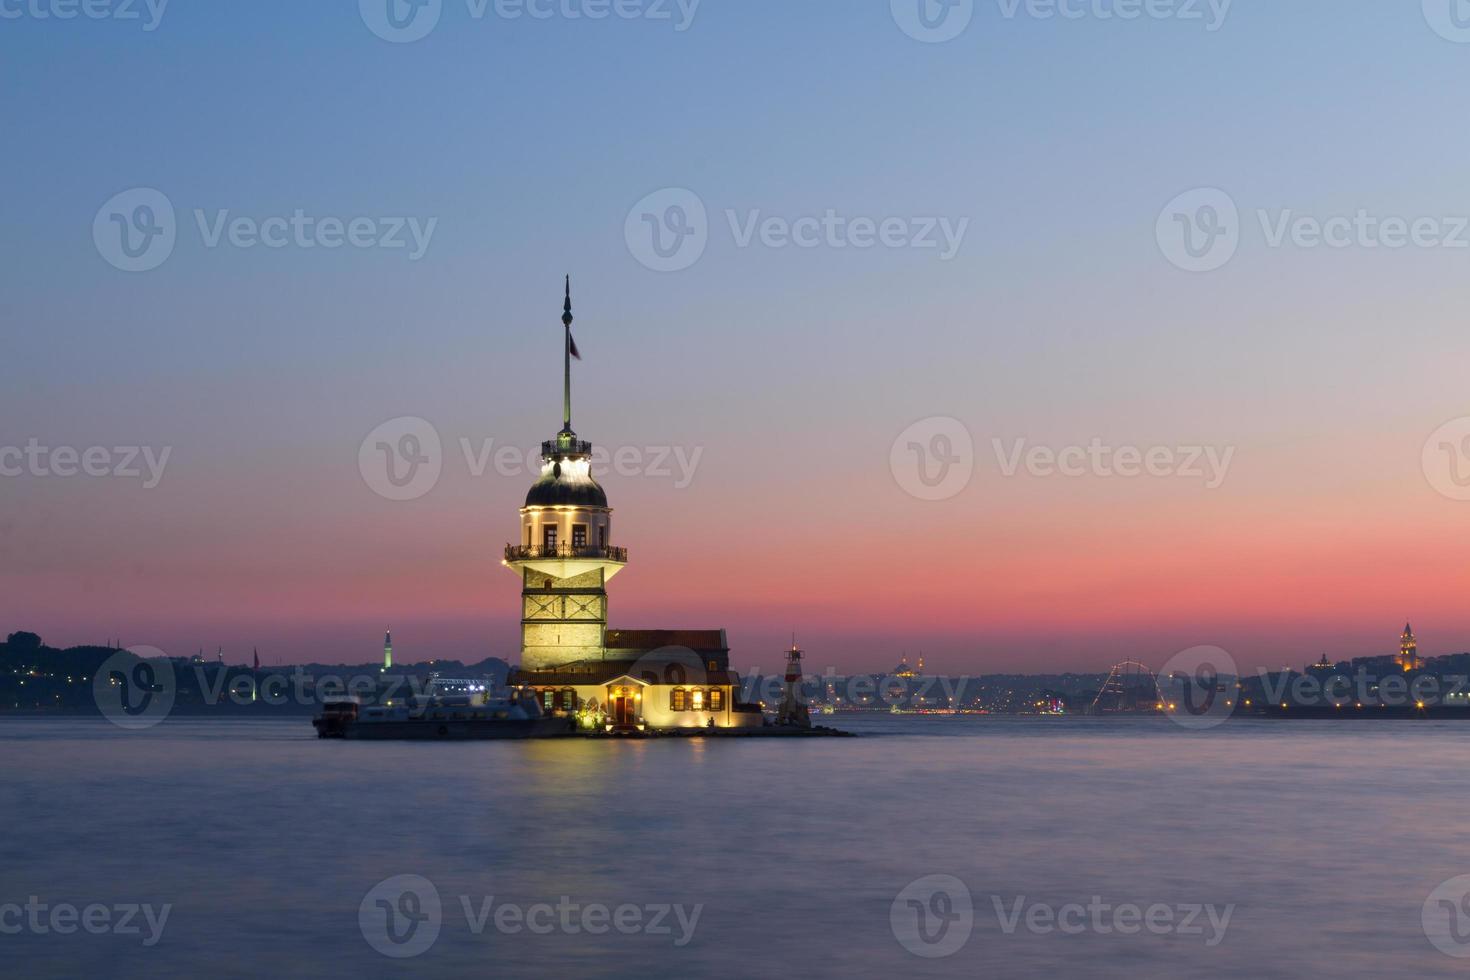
(440, 718)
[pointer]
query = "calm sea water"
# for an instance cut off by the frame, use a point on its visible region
(1326, 838)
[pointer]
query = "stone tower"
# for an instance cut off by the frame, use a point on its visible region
(565, 556)
(1408, 658)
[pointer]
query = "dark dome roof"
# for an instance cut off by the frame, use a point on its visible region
(557, 490)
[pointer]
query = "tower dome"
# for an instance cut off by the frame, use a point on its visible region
(566, 479)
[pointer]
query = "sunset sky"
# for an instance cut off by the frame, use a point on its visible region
(788, 372)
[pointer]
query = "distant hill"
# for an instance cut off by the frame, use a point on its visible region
(35, 677)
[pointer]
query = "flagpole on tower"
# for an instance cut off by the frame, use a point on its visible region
(566, 319)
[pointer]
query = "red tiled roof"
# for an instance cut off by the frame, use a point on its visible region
(703, 640)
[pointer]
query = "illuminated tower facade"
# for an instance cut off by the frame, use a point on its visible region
(565, 556)
(1408, 658)
(388, 649)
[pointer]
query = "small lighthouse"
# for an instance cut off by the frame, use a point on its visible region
(793, 712)
(388, 650)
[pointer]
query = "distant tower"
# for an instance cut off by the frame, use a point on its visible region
(388, 649)
(921, 664)
(1408, 658)
(793, 712)
(565, 556)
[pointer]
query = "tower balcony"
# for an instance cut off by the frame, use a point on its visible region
(566, 561)
(520, 552)
(565, 447)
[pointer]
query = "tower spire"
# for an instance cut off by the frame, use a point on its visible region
(566, 319)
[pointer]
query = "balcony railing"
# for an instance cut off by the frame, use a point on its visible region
(572, 448)
(521, 552)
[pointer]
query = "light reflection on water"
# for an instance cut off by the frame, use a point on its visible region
(1326, 836)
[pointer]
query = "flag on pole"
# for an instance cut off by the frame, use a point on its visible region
(566, 319)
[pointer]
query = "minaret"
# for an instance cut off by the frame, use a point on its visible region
(565, 556)
(388, 650)
(1408, 658)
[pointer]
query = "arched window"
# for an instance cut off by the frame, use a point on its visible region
(678, 699)
(697, 700)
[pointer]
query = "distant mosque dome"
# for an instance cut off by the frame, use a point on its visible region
(904, 670)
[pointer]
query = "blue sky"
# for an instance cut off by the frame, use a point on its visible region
(528, 141)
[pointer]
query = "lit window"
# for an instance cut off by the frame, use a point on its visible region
(678, 699)
(548, 537)
(579, 535)
(717, 699)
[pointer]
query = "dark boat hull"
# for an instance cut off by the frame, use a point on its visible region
(444, 730)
